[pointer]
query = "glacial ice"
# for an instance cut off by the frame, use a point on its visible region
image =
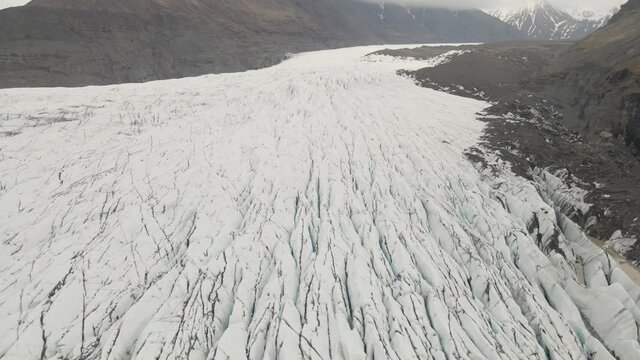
(322, 208)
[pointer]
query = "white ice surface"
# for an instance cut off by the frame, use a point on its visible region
(318, 209)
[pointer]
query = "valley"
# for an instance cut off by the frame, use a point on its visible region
(85, 42)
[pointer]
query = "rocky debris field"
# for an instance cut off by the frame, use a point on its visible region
(534, 129)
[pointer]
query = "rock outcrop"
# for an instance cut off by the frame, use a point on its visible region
(599, 78)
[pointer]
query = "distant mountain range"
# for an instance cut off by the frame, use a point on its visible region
(92, 42)
(80, 42)
(542, 21)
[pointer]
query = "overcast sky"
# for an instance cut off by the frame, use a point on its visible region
(596, 5)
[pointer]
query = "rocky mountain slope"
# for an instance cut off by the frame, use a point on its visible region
(79, 42)
(601, 75)
(542, 21)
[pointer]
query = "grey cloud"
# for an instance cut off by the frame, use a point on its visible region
(597, 5)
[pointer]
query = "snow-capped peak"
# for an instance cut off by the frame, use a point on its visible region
(594, 15)
(504, 13)
(541, 20)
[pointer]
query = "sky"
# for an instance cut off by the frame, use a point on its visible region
(582, 5)
(595, 5)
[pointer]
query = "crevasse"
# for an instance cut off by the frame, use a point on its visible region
(319, 209)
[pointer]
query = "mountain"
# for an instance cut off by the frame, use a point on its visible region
(542, 21)
(81, 42)
(601, 74)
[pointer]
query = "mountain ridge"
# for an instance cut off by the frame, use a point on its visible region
(70, 43)
(542, 21)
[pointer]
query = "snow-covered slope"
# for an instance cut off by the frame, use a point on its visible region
(319, 209)
(540, 20)
(5, 4)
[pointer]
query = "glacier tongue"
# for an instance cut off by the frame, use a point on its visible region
(319, 209)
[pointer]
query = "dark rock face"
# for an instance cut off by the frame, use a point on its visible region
(626, 8)
(599, 78)
(632, 114)
(83, 42)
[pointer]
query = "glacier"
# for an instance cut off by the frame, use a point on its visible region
(323, 208)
